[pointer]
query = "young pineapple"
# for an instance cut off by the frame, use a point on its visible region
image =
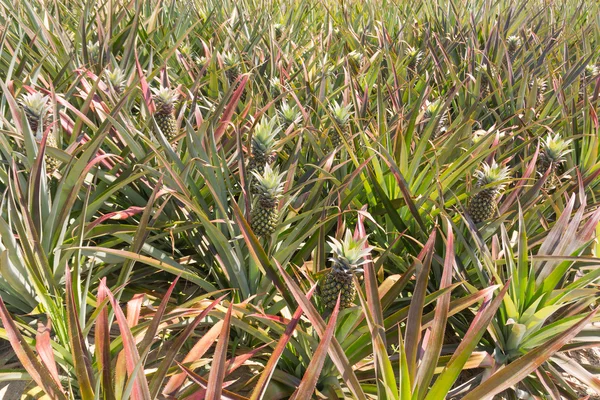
(483, 205)
(432, 108)
(36, 108)
(589, 73)
(232, 69)
(269, 187)
(542, 86)
(116, 80)
(485, 87)
(164, 100)
(414, 58)
(263, 145)
(552, 155)
(288, 115)
(341, 115)
(513, 43)
(348, 257)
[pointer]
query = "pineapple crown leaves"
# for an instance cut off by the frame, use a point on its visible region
(35, 104)
(513, 42)
(341, 114)
(555, 148)
(431, 107)
(116, 77)
(270, 182)
(414, 54)
(591, 70)
(493, 174)
(349, 254)
(230, 59)
(264, 135)
(288, 114)
(165, 97)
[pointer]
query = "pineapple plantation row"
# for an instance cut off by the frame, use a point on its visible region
(300, 199)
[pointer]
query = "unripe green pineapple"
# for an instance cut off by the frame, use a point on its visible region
(116, 80)
(542, 86)
(414, 58)
(513, 43)
(288, 115)
(278, 31)
(552, 155)
(485, 87)
(432, 108)
(483, 205)
(356, 59)
(164, 100)
(341, 115)
(589, 73)
(262, 151)
(232, 69)
(348, 257)
(269, 187)
(275, 86)
(36, 108)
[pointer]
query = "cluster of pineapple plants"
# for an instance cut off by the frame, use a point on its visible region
(297, 200)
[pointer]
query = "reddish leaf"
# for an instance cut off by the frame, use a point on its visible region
(217, 371)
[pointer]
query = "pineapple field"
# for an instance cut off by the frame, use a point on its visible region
(299, 199)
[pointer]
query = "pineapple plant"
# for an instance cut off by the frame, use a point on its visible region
(485, 87)
(542, 86)
(513, 43)
(348, 257)
(269, 187)
(116, 80)
(483, 205)
(590, 72)
(232, 69)
(552, 156)
(36, 108)
(341, 116)
(262, 148)
(288, 114)
(164, 99)
(432, 108)
(414, 56)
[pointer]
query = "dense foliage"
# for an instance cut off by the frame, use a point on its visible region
(299, 199)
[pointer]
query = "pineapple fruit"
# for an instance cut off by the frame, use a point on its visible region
(164, 100)
(348, 257)
(263, 145)
(341, 115)
(414, 58)
(483, 205)
(589, 73)
(232, 70)
(513, 43)
(269, 187)
(552, 155)
(485, 87)
(36, 108)
(432, 108)
(542, 86)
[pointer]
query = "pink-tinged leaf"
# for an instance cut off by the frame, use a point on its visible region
(525, 365)
(157, 318)
(237, 361)
(313, 371)
(575, 369)
(81, 356)
(202, 393)
(116, 215)
(336, 352)
(102, 342)
(214, 387)
(146, 92)
(514, 195)
(199, 349)
(38, 372)
(466, 347)
(265, 376)
(230, 109)
(436, 340)
(134, 308)
(415, 310)
(173, 349)
(132, 357)
(44, 349)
